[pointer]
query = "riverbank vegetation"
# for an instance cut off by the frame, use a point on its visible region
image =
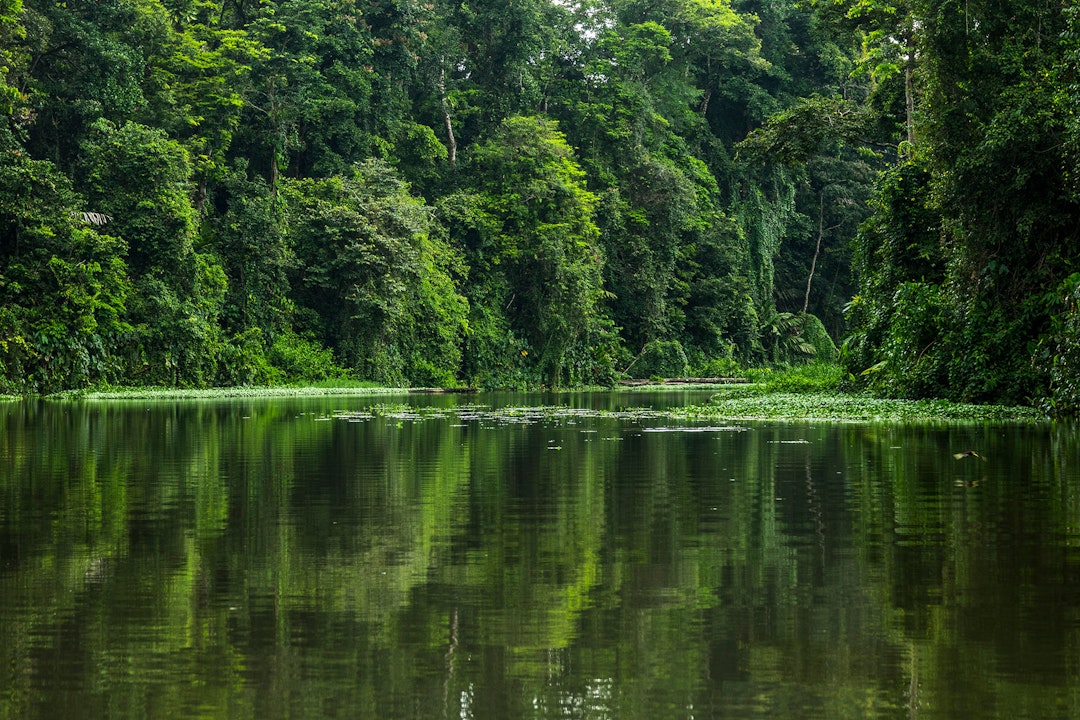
(212, 193)
(807, 392)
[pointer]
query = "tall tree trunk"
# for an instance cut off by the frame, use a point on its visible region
(200, 194)
(908, 38)
(909, 102)
(817, 250)
(821, 230)
(451, 143)
(707, 95)
(274, 175)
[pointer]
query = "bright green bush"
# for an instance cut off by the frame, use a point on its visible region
(302, 359)
(812, 377)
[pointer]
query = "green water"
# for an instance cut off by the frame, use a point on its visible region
(477, 557)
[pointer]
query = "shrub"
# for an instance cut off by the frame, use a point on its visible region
(243, 361)
(815, 335)
(300, 358)
(813, 377)
(661, 358)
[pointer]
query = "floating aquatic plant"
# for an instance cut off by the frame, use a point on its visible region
(735, 403)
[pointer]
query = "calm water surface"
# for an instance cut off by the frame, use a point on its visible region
(475, 557)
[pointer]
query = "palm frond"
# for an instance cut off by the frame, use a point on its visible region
(93, 218)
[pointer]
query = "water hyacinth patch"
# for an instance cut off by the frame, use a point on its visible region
(728, 403)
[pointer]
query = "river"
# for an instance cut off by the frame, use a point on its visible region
(530, 556)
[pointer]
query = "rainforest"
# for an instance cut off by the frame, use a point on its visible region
(527, 193)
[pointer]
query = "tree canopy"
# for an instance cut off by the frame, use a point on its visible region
(207, 192)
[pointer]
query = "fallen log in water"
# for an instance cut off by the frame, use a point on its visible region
(442, 391)
(685, 381)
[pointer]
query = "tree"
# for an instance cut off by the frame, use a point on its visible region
(826, 138)
(205, 73)
(11, 60)
(141, 179)
(534, 257)
(375, 279)
(654, 195)
(888, 37)
(994, 185)
(88, 61)
(63, 285)
(248, 235)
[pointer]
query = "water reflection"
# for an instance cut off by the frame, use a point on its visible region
(477, 557)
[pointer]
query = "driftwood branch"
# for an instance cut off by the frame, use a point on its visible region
(686, 381)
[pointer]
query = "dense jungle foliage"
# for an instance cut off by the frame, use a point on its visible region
(219, 192)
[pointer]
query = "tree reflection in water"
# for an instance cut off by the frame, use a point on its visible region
(329, 557)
